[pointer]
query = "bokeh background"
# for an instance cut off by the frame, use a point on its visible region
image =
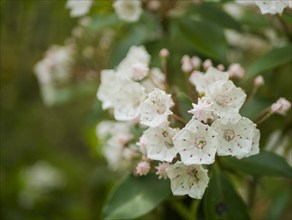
(61, 141)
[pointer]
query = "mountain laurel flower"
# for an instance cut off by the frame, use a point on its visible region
(281, 106)
(156, 108)
(127, 100)
(107, 88)
(255, 147)
(203, 81)
(142, 144)
(188, 180)
(226, 97)
(196, 143)
(134, 65)
(235, 70)
(271, 7)
(161, 170)
(143, 168)
(128, 10)
(203, 110)
(234, 138)
(159, 143)
(78, 8)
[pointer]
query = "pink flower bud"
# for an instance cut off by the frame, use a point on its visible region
(161, 170)
(235, 70)
(186, 64)
(196, 61)
(207, 63)
(164, 53)
(143, 168)
(221, 67)
(259, 81)
(281, 106)
(154, 5)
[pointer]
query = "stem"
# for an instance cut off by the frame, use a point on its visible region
(261, 120)
(182, 210)
(285, 27)
(179, 119)
(252, 186)
(254, 91)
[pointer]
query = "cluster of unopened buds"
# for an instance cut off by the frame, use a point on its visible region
(147, 137)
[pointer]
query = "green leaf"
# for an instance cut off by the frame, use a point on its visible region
(184, 104)
(103, 21)
(221, 201)
(206, 37)
(136, 196)
(270, 60)
(263, 164)
(216, 15)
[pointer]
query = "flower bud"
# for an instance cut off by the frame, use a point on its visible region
(221, 67)
(196, 61)
(207, 63)
(235, 70)
(142, 168)
(259, 81)
(186, 64)
(281, 106)
(164, 53)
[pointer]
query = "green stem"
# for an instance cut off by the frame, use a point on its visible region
(182, 210)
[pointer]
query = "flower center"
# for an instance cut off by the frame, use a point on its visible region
(200, 142)
(229, 135)
(223, 100)
(193, 173)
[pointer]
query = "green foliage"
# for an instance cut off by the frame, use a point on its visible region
(272, 59)
(221, 201)
(136, 196)
(262, 164)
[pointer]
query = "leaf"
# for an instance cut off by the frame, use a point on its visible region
(279, 203)
(216, 15)
(221, 201)
(270, 60)
(136, 196)
(263, 164)
(104, 21)
(184, 104)
(206, 37)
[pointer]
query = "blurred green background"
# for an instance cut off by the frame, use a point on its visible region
(32, 132)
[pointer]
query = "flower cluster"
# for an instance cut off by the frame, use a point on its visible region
(136, 96)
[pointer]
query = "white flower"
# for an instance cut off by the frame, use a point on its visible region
(255, 149)
(135, 64)
(203, 81)
(78, 7)
(234, 137)
(281, 106)
(271, 6)
(127, 100)
(226, 97)
(159, 143)
(191, 180)
(161, 170)
(203, 110)
(128, 10)
(196, 143)
(143, 168)
(109, 85)
(156, 108)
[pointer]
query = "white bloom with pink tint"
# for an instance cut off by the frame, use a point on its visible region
(255, 147)
(235, 70)
(127, 99)
(203, 110)
(226, 97)
(128, 10)
(235, 138)
(78, 8)
(135, 65)
(142, 168)
(281, 106)
(196, 143)
(108, 87)
(142, 144)
(161, 170)
(156, 108)
(203, 81)
(188, 180)
(160, 145)
(272, 6)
